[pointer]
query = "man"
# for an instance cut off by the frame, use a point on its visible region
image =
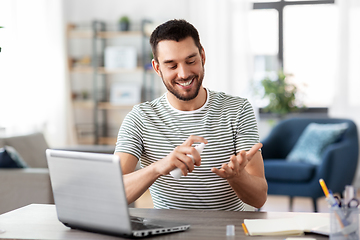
(161, 133)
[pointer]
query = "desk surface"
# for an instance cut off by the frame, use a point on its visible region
(39, 221)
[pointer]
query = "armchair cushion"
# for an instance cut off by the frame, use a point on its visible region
(277, 171)
(9, 158)
(313, 141)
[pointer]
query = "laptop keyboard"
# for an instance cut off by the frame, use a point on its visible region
(138, 223)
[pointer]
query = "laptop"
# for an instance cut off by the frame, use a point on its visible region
(89, 195)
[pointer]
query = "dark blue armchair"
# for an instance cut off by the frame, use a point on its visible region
(338, 167)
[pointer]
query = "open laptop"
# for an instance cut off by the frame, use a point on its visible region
(89, 195)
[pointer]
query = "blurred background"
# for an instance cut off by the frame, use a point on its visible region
(72, 69)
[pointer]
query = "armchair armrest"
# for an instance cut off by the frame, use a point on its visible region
(20, 187)
(339, 165)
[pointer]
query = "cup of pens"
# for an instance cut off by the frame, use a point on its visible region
(344, 223)
(344, 214)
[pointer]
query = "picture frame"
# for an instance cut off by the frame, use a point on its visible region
(120, 57)
(125, 93)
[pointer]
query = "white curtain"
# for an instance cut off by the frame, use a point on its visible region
(222, 25)
(346, 101)
(348, 81)
(33, 69)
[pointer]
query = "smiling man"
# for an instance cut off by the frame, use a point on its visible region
(162, 133)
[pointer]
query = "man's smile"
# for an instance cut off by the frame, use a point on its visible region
(185, 84)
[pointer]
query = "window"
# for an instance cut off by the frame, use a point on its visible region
(306, 45)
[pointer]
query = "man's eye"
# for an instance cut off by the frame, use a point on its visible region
(192, 62)
(173, 67)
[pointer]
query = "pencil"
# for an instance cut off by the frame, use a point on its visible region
(324, 188)
(245, 229)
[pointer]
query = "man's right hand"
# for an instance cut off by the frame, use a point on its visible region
(178, 157)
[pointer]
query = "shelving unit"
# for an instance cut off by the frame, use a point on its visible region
(94, 113)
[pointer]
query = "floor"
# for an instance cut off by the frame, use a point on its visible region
(273, 203)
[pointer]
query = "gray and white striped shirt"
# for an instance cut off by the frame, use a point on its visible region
(153, 129)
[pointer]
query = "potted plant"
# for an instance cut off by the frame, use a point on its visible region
(124, 23)
(281, 95)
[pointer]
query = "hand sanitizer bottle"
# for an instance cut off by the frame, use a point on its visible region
(176, 173)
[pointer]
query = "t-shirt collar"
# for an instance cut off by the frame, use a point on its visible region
(188, 112)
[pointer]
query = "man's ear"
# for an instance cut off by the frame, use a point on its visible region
(203, 58)
(156, 66)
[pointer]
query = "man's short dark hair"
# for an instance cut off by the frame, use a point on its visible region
(175, 30)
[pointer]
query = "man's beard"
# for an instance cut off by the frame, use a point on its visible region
(197, 81)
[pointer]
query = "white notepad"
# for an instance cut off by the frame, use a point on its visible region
(288, 226)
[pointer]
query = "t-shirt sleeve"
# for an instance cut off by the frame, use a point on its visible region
(247, 131)
(129, 139)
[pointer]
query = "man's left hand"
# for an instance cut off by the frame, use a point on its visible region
(237, 163)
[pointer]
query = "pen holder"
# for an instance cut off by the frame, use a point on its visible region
(344, 223)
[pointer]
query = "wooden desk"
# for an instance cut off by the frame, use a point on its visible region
(39, 221)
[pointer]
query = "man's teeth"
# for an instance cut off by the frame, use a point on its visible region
(186, 83)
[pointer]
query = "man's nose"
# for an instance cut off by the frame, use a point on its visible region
(183, 71)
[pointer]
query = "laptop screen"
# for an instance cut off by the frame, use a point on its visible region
(89, 191)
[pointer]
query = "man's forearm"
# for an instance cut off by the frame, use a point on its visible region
(136, 183)
(245, 174)
(250, 189)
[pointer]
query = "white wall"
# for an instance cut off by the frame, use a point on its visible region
(112, 10)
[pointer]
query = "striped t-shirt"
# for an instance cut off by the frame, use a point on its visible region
(153, 129)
